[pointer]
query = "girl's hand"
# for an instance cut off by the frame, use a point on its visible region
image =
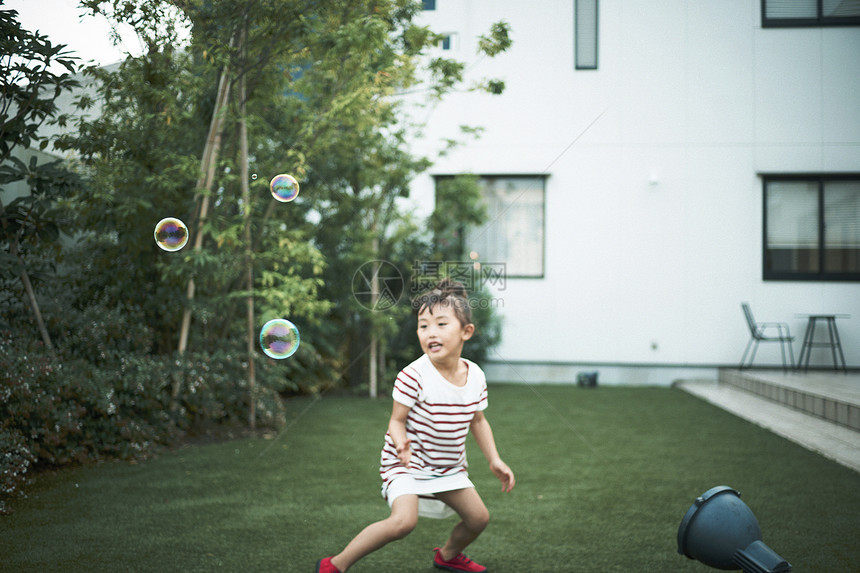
(404, 452)
(504, 473)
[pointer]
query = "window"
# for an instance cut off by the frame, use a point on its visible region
(514, 232)
(585, 34)
(784, 13)
(449, 41)
(812, 227)
(428, 4)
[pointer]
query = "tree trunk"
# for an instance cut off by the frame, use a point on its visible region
(28, 287)
(374, 338)
(34, 304)
(249, 268)
(207, 176)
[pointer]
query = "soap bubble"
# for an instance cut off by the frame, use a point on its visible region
(279, 338)
(171, 234)
(254, 177)
(284, 187)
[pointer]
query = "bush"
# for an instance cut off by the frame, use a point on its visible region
(15, 460)
(106, 397)
(115, 390)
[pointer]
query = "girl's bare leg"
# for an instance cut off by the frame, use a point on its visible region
(404, 516)
(474, 515)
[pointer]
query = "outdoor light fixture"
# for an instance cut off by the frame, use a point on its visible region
(587, 379)
(721, 531)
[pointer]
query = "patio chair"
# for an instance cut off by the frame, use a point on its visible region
(758, 333)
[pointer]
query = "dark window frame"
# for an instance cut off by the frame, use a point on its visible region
(576, 60)
(821, 275)
(543, 177)
(819, 21)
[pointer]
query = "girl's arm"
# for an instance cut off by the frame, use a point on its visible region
(397, 431)
(484, 436)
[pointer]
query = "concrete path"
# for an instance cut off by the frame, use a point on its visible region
(834, 440)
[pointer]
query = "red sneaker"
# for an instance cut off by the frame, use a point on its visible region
(457, 564)
(325, 566)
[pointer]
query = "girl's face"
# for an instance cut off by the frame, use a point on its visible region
(440, 333)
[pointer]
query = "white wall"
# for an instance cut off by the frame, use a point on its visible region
(653, 215)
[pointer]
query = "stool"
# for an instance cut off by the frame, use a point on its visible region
(832, 342)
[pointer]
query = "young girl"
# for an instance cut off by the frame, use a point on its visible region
(437, 400)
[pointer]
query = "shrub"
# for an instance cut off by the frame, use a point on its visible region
(15, 459)
(112, 404)
(109, 392)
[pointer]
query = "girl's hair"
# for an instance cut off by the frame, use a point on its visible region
(446, 292)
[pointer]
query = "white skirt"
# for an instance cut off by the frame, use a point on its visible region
(428, 505)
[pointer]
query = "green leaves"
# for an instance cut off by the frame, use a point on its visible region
(497, 41)
(28, 85)
(446, 73)
(35, 219)
(458, 207)
(321, 83)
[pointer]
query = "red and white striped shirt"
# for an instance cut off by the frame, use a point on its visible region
(438, 421)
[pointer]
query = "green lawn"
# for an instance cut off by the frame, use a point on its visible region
(604, 477)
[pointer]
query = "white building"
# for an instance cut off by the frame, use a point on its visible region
(633, 224)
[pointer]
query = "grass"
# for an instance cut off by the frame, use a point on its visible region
(604, 477)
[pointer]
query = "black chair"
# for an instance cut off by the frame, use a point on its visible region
(758, 334)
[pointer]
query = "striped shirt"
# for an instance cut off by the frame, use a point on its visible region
(438, 421)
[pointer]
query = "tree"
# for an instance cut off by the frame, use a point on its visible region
(320, 80)
(29, 98)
